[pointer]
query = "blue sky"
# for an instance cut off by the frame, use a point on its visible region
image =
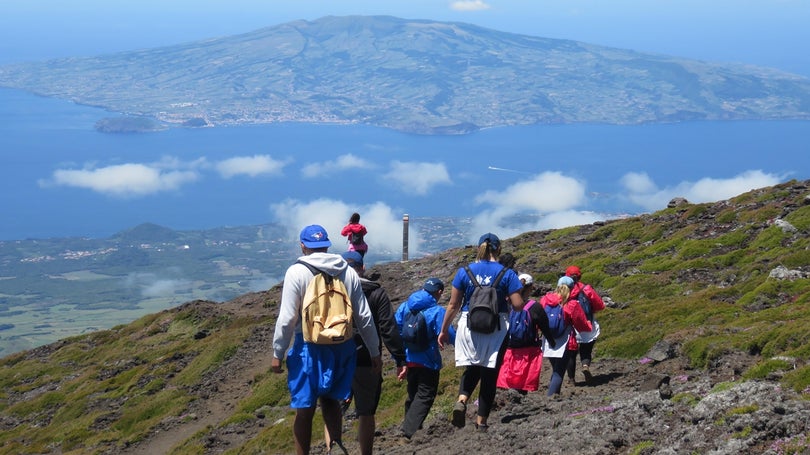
(763, 32)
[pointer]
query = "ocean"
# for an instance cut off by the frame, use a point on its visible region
(40, 136)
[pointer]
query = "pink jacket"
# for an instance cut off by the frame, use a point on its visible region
(597, 304)
(573, 314)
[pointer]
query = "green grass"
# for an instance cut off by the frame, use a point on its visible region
(705, 290)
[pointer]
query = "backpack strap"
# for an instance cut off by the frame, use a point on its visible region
(476, 283)
(315, 270)
(498, 277)
(472, 277)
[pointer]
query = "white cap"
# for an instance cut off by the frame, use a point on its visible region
(526, 279)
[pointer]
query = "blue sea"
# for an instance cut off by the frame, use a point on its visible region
(39, 136)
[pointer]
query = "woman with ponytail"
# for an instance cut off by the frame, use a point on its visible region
(477, 352)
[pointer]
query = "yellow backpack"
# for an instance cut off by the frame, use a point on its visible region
(326, 312)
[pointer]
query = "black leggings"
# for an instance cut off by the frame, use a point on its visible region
(488, 378)
(489, 383)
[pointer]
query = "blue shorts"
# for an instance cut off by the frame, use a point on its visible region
(320, 370)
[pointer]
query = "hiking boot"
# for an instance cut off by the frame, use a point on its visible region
(587, 373)
(459, 414)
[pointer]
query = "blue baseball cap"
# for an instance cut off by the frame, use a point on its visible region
(433, 285)
(493, 240)
(315, 236)
(354, 258)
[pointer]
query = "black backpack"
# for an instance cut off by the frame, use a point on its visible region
(415, 334)
(356, 238)
(482, 315)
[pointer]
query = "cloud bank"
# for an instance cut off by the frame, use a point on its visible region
(251, 166)
(642, 190)
(123, 179)
(469, 5)
(131, 180)
(544, 201)
(417, 178)
(339, 164)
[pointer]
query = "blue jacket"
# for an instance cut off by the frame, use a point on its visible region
(421, 300)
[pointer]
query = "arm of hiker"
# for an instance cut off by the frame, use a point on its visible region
(578, 318)
(275, 365)
(376, 364)
(452, 310)
(402, 372)
(389, 332)
(540, 318)
(597, 304)
(516, 300)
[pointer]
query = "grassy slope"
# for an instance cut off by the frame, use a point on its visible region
(697, 276)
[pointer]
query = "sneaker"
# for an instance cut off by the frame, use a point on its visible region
(340, 447)
(587, 373)
(459, 414)
(572, 382)
(482, 427)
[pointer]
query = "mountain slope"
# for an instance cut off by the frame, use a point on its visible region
(704, 349)
(410, 75)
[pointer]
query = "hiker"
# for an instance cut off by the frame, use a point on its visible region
(585, 340)
(523, 357)
(355, 234)
(478, 351)
(319, 372)
(424, 358)
(564, 315)
(367, 383)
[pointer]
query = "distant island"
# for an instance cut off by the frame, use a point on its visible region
(128, 125)
(416, 76)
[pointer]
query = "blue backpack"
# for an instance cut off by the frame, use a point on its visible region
(522, 331)
(585, 303)
(556, 320)
(415, 334)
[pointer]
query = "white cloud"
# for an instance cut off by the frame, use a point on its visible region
(341, 163)
(151, 286)
(641, 190)
(469, 5)
(544, 201)
(251, 166)
(504, 229)
(384, 224)
(638, 182)
(546, 192)
(124, 179)
(417, 178)
(165, 288)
